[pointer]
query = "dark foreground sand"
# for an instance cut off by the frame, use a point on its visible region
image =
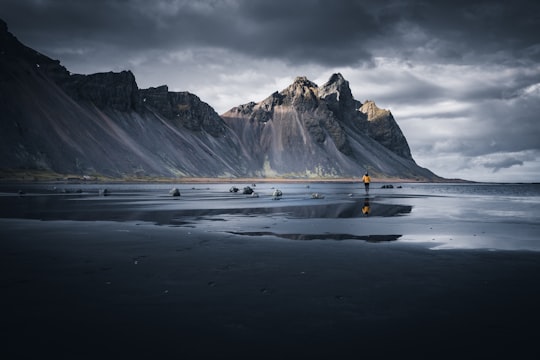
(109, 289)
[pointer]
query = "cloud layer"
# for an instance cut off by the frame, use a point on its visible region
(462, 78)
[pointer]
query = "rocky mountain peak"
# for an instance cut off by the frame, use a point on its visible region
(383, 127)
(372, 111)
(337, 93)
(302, 81)
(336, 78)
(184, 109)
(302, 94)
(336, 84)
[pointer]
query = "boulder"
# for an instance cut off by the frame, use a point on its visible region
(277, 194)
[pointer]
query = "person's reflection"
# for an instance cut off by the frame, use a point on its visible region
(366, 209)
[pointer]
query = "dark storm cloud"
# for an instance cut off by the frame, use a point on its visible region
(456, 30)
(503, 163)
(324, 32)
(305, 30)
(330, 33)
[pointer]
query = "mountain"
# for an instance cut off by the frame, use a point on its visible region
(102, 124)
(307, 130)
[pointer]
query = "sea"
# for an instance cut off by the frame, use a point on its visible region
(438, 215)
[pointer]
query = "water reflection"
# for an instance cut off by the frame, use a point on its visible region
(366, 209)
(160, 211)
(368, 238)
(343, 210)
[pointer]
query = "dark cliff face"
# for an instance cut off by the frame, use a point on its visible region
(382, 127)
(338, 97)
(104, 124)
(111, 90)
(184, 109)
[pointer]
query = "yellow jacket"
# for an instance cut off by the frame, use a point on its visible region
(366, 179)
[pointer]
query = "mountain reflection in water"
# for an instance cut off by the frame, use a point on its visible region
(342, 210)
(161, 211)
(368, 238)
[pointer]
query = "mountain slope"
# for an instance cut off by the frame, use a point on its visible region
(100, 123)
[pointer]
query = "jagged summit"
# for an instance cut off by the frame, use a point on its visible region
(302, 93)
(372, 111)
(336, 78)
(302, 81)
(336, 86)
(383, 128)
(336, 82)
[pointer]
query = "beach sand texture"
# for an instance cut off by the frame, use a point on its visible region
(424, 270)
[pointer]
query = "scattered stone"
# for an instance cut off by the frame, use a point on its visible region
(255, 195)
(174, 192)
(317, 196)
(389, 186)
(233, 189)
(248, 190)
(104, 192)
(277, 194)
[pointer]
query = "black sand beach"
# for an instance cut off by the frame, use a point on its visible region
(214, 274)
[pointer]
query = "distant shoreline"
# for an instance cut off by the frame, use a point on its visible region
(71, 180)
(41, 176)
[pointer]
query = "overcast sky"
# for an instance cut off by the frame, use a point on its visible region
(462, 78)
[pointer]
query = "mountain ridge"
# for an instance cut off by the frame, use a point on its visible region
(347, 139)
(103, 124)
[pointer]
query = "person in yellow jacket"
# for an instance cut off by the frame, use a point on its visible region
(366, 180)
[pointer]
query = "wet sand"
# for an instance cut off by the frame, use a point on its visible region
(116, 278)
